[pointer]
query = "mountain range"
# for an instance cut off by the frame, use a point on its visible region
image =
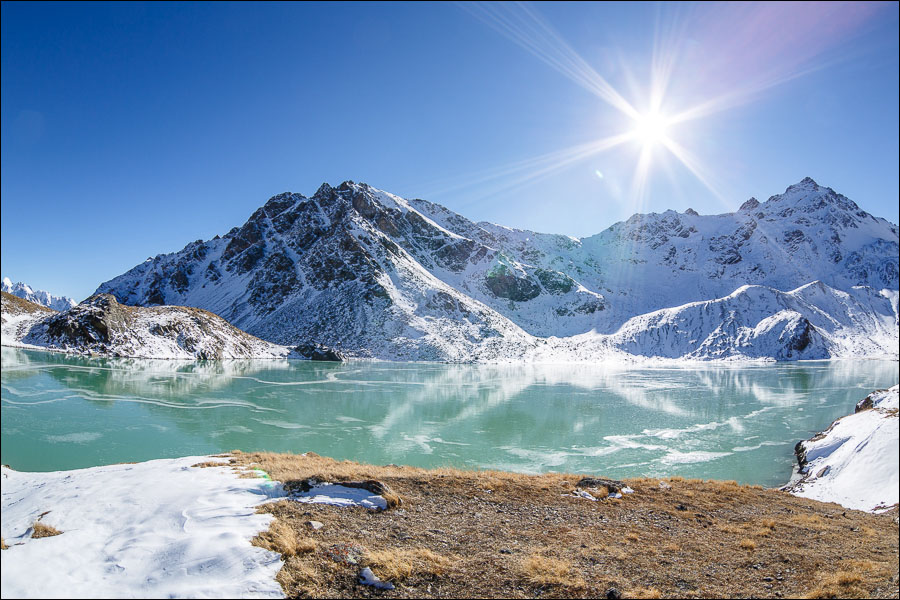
(805, 274)
(26, 292)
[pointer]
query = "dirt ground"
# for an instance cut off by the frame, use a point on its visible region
(471, 534)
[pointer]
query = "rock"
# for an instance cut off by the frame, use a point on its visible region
(749, 205)
(611, 485)
(319, 352)
(316, 525)
(504, 284)
(367, 577)
(613, 594)
(345, 553)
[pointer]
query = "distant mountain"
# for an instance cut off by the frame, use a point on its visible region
(37, 296)
(376, 275)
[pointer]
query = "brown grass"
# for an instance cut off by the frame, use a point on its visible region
(399, 565)
(42, 530)
(648, 593)
(546, 571)
(527, 537)
(747, 544)
(281, 537)
(3, 545)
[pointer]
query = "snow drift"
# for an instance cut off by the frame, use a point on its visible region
(855, 462)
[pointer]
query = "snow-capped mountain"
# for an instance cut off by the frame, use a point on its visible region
(41, 297)
(374, 274)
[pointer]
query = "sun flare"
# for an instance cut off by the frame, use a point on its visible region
(651, 129)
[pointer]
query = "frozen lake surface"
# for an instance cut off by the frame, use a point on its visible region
(709, 421)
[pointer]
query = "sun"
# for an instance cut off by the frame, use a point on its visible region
(650, 129)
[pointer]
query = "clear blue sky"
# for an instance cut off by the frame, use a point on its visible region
(129, 130)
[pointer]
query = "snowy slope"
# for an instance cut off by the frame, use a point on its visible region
(17, 317)
(158, 529)
(100, 325)
(855, 462)
(376, 275)
(37, 296)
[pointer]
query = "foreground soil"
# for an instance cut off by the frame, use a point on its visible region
(494, 534)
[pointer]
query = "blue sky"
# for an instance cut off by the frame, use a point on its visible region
(130, 130)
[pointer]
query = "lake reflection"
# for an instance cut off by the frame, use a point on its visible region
(727, 422)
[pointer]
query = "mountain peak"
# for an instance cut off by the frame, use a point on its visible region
(805, 184)
(26, 292)
(749, 205)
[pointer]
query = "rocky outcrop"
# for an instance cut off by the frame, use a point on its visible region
(101, 325)
(318, 352)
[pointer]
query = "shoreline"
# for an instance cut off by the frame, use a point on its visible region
(630, 361)
(454, 532)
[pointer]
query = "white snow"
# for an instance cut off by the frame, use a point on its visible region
(340, 495)
(149, 530)
(856, 463)
(367, 577)
(162, 528)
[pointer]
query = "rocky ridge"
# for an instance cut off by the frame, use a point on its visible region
(372, 274)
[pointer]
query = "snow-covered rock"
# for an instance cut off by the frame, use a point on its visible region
(100, 325)
(41, 297)
(371, 274)
(855, 462)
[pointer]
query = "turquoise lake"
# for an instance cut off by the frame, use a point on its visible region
(722, 422)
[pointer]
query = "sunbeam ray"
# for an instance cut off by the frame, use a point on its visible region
(524, 26)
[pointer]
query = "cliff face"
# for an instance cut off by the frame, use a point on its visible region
(373, 274)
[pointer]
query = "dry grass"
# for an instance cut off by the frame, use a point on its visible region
(807, 520)
(399, 565)
(285, 540)
(842, 584)
(300, 576)
(42, 530)
(852, 579)
(3, 545)
(747, 544)
(552, 572)
(493, 534)
(648, 593)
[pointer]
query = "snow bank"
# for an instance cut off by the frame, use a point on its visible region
(156, 529)
(855, 462)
